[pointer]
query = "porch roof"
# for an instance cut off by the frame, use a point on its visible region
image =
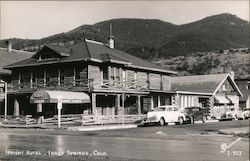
(45, 96)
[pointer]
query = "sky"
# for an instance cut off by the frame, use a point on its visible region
(38, 19)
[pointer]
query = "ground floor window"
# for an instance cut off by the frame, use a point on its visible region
(131, 105)
(204, 102)
(146, 104)
(165, 100)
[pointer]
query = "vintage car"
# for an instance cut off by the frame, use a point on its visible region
(163, 115)
(246, 113)
(234, 113)
(196, 114)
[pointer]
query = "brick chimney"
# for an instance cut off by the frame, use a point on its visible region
(232, 74)
(9, 45)
(111, 41)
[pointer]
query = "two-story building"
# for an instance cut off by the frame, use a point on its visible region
(89, 77)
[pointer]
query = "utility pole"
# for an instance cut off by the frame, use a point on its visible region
(5, 100)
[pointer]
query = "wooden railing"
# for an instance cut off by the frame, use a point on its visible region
(51, 85)
(122, 85)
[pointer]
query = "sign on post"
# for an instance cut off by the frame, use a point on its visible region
(59, 107)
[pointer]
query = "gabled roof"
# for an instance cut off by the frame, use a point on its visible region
(7, 58)
(89, 50)
(61, 51)
(242, 84)
(201, 84)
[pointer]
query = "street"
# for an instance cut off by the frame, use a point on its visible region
(189, 142)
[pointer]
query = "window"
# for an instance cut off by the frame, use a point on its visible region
(105, 73)
(15, 75)
(52, 74)
(224, 87)
(25, 77)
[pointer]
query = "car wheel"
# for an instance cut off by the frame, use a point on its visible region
(162, 122)
(204, 118)
(180, 120)
(191, 120)
(235, 118)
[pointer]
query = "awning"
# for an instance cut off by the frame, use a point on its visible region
(221, 99)
(233, 99)
(44, 96)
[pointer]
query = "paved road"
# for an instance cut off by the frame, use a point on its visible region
(174, 143)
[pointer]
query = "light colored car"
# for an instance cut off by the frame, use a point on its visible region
(246, 113)
(163, 115)
(234, 113)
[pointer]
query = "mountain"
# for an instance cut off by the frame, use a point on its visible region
(212, 62)
(151, 38)
(156, 40)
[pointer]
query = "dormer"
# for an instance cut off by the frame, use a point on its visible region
(51, 52)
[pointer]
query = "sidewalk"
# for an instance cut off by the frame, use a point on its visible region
(101, 127)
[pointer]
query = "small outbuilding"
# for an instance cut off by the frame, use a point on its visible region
(218, 92)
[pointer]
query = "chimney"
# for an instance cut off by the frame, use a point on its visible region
(232, 74)
(9, 45)
(111, 41)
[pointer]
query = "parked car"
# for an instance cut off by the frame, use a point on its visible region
(234, 113)
(163, 115)
(246, 113)
(196, 114)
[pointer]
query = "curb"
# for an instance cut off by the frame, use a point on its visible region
(98, 128)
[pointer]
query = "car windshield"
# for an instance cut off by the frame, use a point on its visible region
(160, 109)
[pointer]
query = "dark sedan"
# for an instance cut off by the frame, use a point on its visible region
(196, 113)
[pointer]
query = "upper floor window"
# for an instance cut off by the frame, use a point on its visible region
(25, 77)
(105, 73)
(224, 87)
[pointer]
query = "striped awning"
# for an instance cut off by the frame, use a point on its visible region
(233, 99)
(45, 96)
(221, 99)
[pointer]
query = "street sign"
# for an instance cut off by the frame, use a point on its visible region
(59, 105)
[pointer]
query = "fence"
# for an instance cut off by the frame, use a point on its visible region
(74, 120)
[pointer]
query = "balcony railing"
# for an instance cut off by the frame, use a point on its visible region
(51, 85)
(122, 85)
(83, 84)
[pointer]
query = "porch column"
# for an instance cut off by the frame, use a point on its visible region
(159, 100)
(94, 112)
(5, 100)
(118, 103)
(152, 102)
(16, 108)
(139, 104)
(39, 108)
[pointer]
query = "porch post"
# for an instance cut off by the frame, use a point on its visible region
(39, 108)
(152, 102)
(139, 104)
(94, 112)
(5, 100)
(59, 108)
(118, 102)
(123, 107)
(16, 108)
(159, 101)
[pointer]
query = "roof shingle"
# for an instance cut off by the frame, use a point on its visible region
(88, 50)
